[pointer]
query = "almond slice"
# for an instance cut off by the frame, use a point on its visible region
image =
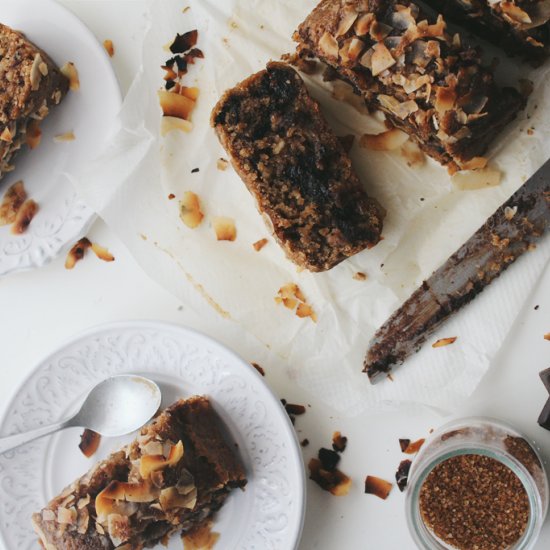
(329, 45)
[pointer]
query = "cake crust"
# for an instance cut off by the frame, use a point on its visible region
(296, 168)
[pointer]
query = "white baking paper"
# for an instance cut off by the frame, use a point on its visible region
(427, 219)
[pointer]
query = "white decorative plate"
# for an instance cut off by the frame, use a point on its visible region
(89, 113)
(268, 515)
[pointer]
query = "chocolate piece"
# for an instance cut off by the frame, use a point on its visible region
(339, 442)
(403, 444)
(544, 417)
(405, 63)
(402, 474)
(494, 246)
(296, 169)
(520, 27)
(172, 478)
(334, 481)
(295, 409)
(329, 458)
(31, 85)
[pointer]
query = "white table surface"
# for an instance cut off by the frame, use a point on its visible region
(43, 308)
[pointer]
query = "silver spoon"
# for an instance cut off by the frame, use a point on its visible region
(117, 406)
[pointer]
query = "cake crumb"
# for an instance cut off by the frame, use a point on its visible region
(109, 47)
(258, 368)
(360, 276)
(258, 245)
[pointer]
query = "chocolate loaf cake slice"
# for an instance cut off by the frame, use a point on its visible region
(30, 85)
(296, 169)
(520, 27)
(172, 478)
(405, 63)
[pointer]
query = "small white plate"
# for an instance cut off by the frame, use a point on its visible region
(268, 515)
(89, 113)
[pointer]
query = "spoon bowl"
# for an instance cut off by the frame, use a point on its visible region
(119, 405)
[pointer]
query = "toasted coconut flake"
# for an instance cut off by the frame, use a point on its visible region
(444, 342)
(335, 481)
(190, 210)
(305, 310)
(61, 138)
(36, 74)
(401, 110)
(352, 49)
(258, 245)
(151, 448)
(12, 201)
(89, 440)
(329, 45)
(385, 141)
(119, 528)
(33, 135)
(349, 15)
(6, 135)
(24, 217)
(109, 47)
(170, 498)
(515, 13)
(414, 447)
(48, 515)
(66, 516)
(360, 276)
(362, 27)
(83, 521)
(510, 212)
(476, 179)
(344, 92)
(189, 93)
(547, 336)
(102, 253)
(381, 59)
(378, 31)
(413, 154)
(201, 538)
(175, 105)
(75, 254)
(83, 502)
(222, 164)
(445, 98)
(69, 71)
(170, 123)
(151, 463)
(378, 487)
(475, 163)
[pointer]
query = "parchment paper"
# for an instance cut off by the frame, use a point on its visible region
(427, 218)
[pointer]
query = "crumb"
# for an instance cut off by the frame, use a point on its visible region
(334, 481)
(360, 276)
(547, 336)
(222, 164)
(24, 216)
(70, 72)
(403, 444)
(414, 447)
(402, 474)
(339, 442)
(295, 410)
(109, 47)
(304, 442)
(12, 202)
(258, 245)
(190, 210)
(536, 307)
(194, 171)
(530, 131)
(171, 196)
(258, 368)
(76, 253)
(347, 142)
(291, 297)
(444, 342)
(102, 253)
(224, 228)
(186, 9)
(67, 136)
(33, 136)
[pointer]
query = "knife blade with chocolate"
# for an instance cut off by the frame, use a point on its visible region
(512, 230)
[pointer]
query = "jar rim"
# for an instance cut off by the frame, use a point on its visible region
(422, 536)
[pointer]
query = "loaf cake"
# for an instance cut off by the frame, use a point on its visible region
(296, 169)
(31, 85)
(405, 63)
(519, 26)
(172, 478)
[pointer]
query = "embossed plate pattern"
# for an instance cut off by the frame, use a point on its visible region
(268, 515)
(89, 113)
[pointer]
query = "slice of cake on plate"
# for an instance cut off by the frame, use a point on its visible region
(171, 479)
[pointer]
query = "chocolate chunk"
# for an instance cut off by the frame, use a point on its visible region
(329, 458)
(184, 42)
(402, 474)
(295, 409)
(404, 443)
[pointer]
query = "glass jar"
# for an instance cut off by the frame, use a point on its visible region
(479, 436)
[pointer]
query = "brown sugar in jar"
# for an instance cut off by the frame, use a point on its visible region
(477, 484)
(474, 501)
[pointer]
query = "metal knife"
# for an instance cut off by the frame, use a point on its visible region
(512, 230)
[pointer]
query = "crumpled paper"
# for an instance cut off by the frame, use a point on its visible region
(427, 219)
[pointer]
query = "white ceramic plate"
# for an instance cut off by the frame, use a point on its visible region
(268, 515)
(89, 113)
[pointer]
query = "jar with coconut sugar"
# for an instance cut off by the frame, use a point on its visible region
(477, 484)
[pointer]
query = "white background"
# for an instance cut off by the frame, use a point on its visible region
(43, 308)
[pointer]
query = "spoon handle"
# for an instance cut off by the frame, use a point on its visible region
(13, 441)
